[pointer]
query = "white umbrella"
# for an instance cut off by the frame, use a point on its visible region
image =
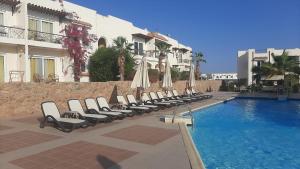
(141, 78)
(167, 81)
(192, 82)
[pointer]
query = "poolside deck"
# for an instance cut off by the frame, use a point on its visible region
(141, 142)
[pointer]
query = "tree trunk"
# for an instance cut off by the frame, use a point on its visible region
(160, 65)
(197, 70)
(121, 63)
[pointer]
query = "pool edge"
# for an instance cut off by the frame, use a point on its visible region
(193, 154)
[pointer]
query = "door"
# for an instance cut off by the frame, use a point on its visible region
(1, 69)
(49, 67)
(36, 68)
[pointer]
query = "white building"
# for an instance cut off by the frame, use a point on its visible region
(247, 59)
(30, 31)
(220, 76)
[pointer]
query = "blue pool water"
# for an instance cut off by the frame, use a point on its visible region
(249, 134)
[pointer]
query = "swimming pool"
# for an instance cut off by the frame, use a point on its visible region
(249, 134)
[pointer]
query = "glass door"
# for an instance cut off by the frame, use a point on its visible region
(36, 68)
(49, 68)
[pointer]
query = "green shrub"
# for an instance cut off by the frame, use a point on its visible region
(184, 75)
(175, 74)
(103, 66)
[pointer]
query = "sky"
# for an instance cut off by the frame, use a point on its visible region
(217, 28)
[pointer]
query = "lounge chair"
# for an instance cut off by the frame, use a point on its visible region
(132, 101)
(66, 122)
(105, 107)
(75, 105)
(190, 94)
(172, 97)
(147, 101)
(155, 98)
(162, 97)
(201, 94)
(92, 106)
(175, 93)
(139, 109)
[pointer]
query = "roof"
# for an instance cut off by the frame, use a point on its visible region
(82, 23)
(143, 36)
(47, 10)
(10, 2)
(273, 78)
(157, 36)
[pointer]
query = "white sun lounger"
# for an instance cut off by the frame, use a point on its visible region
(172, 97)
(104, 106)
(146, 99)
(175, 93)
(132, 101)
(91, 104)
(162, 97)
(52, 115)
(75, 105)
(123, 102)
(155, 98)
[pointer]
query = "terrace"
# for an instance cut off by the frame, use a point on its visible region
(132, 143)
(11, 32)
(44, 37)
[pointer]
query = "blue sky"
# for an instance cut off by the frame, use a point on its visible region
(218, 28)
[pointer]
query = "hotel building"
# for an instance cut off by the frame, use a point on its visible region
(31, 33)
(247, 59)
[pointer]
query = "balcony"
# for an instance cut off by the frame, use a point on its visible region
(44, 37)
(11, 32)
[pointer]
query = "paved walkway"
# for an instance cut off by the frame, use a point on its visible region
(141, 142)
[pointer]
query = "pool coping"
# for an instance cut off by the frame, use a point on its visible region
(195, 159)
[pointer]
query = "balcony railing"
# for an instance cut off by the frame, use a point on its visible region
(45, 37)
(11, 32)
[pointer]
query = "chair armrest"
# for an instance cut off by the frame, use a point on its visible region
(91, 111)
(72, 114)
(106, 109)
(133, 104)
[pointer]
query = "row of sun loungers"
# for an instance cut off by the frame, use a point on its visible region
(98, 110)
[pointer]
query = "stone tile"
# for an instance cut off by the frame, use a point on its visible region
(78, 155)
(143, 134)
(14, 141)
(4, 127)
(98, 126)
(29, 120)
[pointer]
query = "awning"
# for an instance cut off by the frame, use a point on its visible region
(157, 36)
(82, 23)
(184, 50)
(143, 36)
(46, 10)
(10, 2)
(273, 78)
(260, 58)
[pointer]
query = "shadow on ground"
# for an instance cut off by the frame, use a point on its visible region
(107, 163)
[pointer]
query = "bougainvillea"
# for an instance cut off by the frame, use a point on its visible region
(77, 41)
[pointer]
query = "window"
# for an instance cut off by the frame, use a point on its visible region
(141, 48)
(83, 67)
(41, 68)
(138, 48)
(36, 27)
(1, 19)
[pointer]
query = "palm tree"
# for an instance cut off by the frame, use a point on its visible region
(164, 49)
(198, 58)
(122, 46)
(283, 65)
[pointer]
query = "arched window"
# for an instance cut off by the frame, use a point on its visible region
(102, 43)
